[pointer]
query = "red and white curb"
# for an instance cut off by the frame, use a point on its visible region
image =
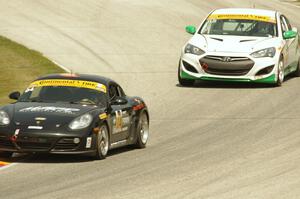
(5, 165)
(2, 164)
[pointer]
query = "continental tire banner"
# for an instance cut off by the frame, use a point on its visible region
(243, 16)
(69, 83)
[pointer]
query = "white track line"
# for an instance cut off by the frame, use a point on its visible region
(7, 166)
(61, 66)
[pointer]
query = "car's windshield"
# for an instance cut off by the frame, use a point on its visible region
(70, 92)
(239, 27)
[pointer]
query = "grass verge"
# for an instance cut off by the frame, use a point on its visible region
(19, 66)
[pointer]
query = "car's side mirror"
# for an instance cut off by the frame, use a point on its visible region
(119, 101)
(289, 34)
(190, 29)
(14, 95)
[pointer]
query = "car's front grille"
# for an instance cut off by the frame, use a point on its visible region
(226, 65)
(5, 142)
(226, 58)
(66, 144)
(34, 145)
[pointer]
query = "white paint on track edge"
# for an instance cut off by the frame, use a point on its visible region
(7, 166)
(61, 66)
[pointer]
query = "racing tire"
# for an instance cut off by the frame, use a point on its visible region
(280, 73)
(297, 72)
(102, 142)
(184, 82)
(142, 131)
(6, 154)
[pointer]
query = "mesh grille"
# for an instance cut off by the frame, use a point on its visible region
(226, 65)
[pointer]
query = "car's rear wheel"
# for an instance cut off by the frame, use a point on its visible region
(102, 142)
(280, 73)
(142, 131)
(184, 82)
(6, 154)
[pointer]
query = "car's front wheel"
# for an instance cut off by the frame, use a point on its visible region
(280, 73)
(142, 131)
(6, 154)
(184, 82)
(102, 142)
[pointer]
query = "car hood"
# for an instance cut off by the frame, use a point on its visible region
(232, 44)
(26, 113)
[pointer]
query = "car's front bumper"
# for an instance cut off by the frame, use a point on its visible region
(247, 70)
(43, 142)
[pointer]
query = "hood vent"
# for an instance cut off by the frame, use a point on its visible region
(218, 39)
(246, 40)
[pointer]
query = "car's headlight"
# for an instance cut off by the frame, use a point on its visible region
(189, 48)
(267, 52)
(81, 122)
(4, 118)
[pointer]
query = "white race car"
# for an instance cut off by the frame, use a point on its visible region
(241, 45)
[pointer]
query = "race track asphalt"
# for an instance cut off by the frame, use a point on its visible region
(214, 140)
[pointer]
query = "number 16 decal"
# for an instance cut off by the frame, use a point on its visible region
(119, 120)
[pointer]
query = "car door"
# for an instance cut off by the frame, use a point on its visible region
(121, 114)
(290, 44)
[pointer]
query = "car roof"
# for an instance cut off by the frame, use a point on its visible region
(85, 77)
(246, 11)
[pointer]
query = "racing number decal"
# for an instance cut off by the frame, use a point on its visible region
(121, 121)
(118, 122)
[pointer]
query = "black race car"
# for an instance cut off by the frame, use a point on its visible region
(72, 114)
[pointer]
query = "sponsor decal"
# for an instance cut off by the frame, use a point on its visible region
(68, 83)
(35, 127)
(243, 16)
(103, 116)
(15, 136)
(88, 142)
(119, 120)
(50, 109)
(39, 120)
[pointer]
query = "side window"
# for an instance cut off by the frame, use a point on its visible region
(35, 93)
(283, 24)
(113, 91)
(287, 23)
(121, 92)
